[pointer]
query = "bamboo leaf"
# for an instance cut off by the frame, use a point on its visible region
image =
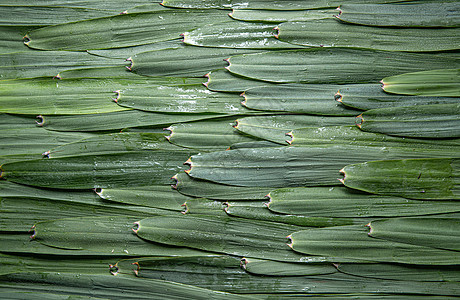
(271, 16)
(118, 120)
(348, 241)
(335, 65)
(331, 33)
(50, 63)
(274, 128)
(297, 98)
(341, 202)
(134, 50)
(236, 35)
(182, 62)
(116, 170)
(420, 121)
(429, 232)
(439, 83)
(439, 14)
(276, 268)
(222, 80)
(11, 37)
(121, 30)
(201, 188)
(433, 179)
(181, 99)
(402, 272)
(208, 135)
(352, 135)
(371, 96)
(291, 166)
(202, 206)
(108, 236)
(233, 236)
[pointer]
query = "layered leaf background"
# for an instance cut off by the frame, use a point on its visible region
(224, 149)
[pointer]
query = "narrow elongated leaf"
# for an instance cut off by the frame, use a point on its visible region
(48, 96)
(102, 286)
(341, 202)
(222, 80)
(433, 179)
(402, 272)
(11, 37)
(113, 144)
(15, 263)
(116, 5)
(262, 4)
(335, 65)
(183, 62)
(181, 99)
(276, 268)
(274, 128)
(297, 98)
(332, 33)
(420, 121)
(439, 14)
(35, 140)
(118, 120)
(236, 35)
(158, 196)
(201, 188)
(16, 122)
(436, 232)
(349, 241)
(49, 64)
(209, 136)
(443, 83)
(371, 96)
(202, 206)
(121, 30)
(352, 135)
(233, 236)
(291, 166)
(108, 236)
(260, 212)
(258, 144)
(271, 16)
(134, 50)
(98, 171)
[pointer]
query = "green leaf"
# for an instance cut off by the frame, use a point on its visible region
(352, 135)
(157, 196)
(275, 268)
(118, 120)
(297, 98)
(434, 179)
(108, 236)
(438, 14)
(259, 211)
(201, 188)
(341, 202)
(202, 206)
(236, 35)
(180, 99)
(273, 16)
(206, 135)
(11, 37)
(349, 242)
(183, 62)
(103, 286)
(402, 272)
(335, 65)
(291, 166)
(115, 170)
(332, 33)
(420, 121)
(233, 236)
(121, 30)
(274, 128)
(429, 232)
(371, 96)
(50, 63)
(115, 5)
(134, 50)
(222, 80)
(441, 83)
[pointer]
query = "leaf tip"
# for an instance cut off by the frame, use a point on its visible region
(40, 121)
(338, 97)
(359, 121)
(291, 135)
